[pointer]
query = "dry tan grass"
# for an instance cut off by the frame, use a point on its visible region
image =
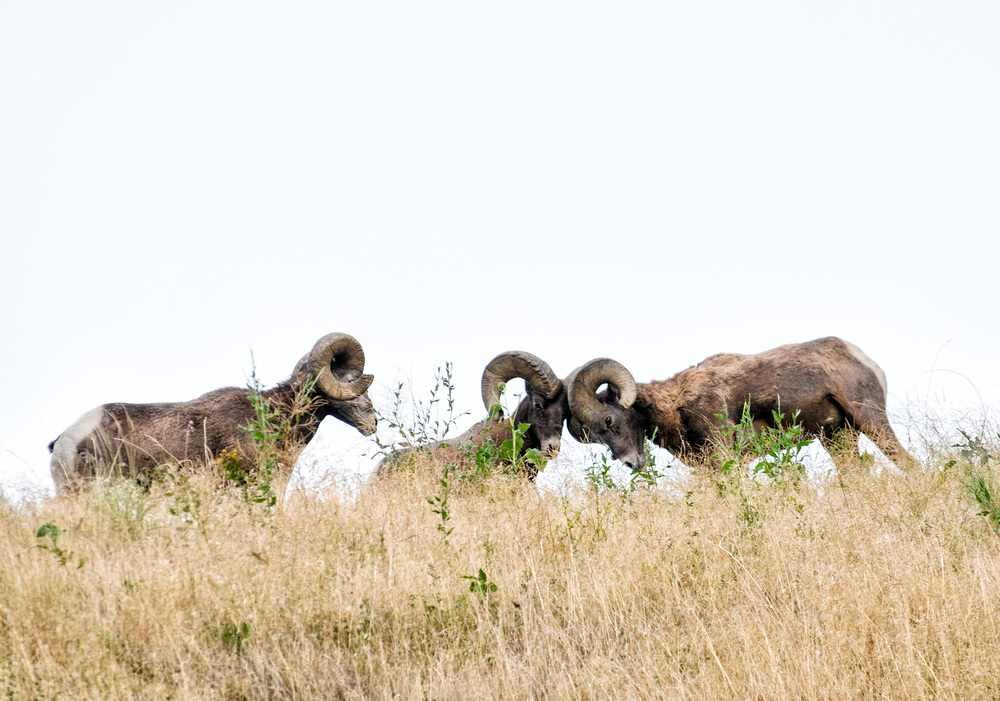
(869, 586)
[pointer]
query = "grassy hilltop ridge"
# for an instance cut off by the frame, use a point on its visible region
(861, 586)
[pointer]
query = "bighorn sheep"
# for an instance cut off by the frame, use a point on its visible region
(830, 381)
(142, 436)
(544, 407)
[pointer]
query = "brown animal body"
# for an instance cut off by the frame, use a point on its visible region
(830, 382)
(136, 438)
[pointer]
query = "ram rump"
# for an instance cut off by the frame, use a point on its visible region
(134, 439)
(830, 382)
(544, 407)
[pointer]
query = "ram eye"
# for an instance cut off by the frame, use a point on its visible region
(607, 421)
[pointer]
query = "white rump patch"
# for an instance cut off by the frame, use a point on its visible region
(63, 460)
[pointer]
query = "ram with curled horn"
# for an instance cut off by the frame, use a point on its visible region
(134, 439)
(831, 383)
(544, 407)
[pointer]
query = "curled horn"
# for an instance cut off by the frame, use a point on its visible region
(582, 385)
(337, 361)
(530, 368)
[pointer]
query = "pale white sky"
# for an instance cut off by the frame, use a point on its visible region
(654, 182)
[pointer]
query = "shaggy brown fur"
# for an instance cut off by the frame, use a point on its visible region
(830, 382)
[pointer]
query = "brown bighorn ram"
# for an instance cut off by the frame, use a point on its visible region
(544, 407)
(830, 381)
(142, 436)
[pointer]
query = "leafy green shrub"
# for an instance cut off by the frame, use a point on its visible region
(52, 532)
(774, 451)
(511, 454)
(980, 479)
(275, 446)
(480, 585)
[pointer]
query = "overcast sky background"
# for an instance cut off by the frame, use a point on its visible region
(184, 183)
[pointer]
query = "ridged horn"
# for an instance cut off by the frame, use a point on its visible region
(582, 385)
(337, 361)
(530, 368)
